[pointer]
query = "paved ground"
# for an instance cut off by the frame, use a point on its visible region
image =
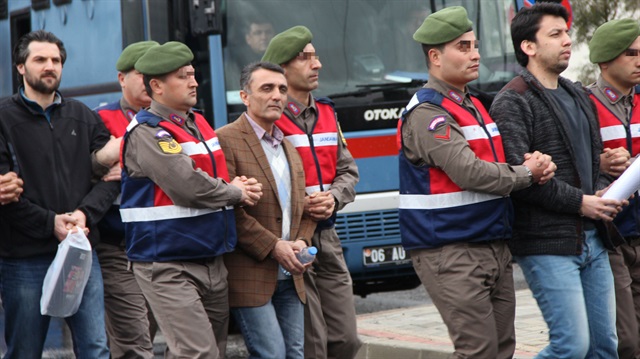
(410, 333)
(419, 332)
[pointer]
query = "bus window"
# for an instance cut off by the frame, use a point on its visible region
(364, 42)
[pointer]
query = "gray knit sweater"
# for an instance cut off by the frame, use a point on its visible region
(547, 219)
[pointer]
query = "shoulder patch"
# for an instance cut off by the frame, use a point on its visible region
(437, 121)
(169, 145)
(163, 134)
(446, 136)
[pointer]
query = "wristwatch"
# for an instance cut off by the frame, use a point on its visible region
(529, 174)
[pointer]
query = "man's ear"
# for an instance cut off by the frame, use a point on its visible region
(435, 57)
(157, 86)
(244, 96)
(528, 47)
(121, 78)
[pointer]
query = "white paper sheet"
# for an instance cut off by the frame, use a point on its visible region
(626, 184)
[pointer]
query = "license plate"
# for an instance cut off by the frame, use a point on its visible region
(388, 255)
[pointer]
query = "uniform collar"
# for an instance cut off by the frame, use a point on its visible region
(128, 111)
(297, 109)
(167, 113)
(447, 90)
(612, 94)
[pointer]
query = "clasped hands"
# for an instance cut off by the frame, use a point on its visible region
(319, 205)
(251, 189)
(541, 166)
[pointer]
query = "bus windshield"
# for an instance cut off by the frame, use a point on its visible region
(363, 42)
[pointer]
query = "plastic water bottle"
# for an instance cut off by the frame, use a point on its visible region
(306, 255)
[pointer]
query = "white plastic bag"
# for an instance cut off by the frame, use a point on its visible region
(67, 276)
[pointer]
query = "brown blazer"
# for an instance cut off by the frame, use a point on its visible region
(253, 275)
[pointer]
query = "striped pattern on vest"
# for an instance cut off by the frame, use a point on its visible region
(319, 151)
(434, 211)
(111, 226)
(616, 134)
(159, 230)
(613, 130)
(114, 119)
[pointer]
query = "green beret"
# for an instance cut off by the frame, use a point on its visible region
(165, 58)
(132, 53)
(443, 26)
(611, 39)
(287, 45)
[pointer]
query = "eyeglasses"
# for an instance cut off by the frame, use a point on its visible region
(308, 56)
(467, 45)
(632, 52)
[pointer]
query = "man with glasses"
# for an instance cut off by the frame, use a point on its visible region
(615, 47)
(455, 213)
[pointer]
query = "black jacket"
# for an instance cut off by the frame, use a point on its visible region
(54, 160)
(547, 219)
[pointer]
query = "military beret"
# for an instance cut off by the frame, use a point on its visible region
(287, 45)
(611, 39)
(165, 58)
(443, 26)
(132, 53)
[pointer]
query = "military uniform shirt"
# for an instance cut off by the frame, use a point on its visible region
(343, 186)
(621, 106)
(174, 173)
(447, 148)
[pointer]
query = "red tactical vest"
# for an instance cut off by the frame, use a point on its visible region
(433, 210)
(114, 119)
(319, 151)
(159, 230)
(613, 131)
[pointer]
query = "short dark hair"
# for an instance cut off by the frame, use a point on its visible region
(21, 50)
(146, 79)
(254, 20)
(426, 48)
(526, 24)
(247, 71)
